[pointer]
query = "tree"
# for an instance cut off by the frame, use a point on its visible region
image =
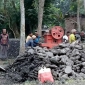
(22, 30)
(84, 4)
(10, 10)
(54, 12)
(78, 17)
(40, 16)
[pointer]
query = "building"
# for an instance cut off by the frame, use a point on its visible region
(71, 22)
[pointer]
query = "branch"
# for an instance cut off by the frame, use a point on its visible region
(12, 29)
(14, 5)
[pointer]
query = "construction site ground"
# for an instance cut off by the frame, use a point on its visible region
(4, 81)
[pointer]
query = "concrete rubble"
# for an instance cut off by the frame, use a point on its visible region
(67, 61)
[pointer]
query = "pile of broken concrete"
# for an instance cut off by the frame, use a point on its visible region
(67, 61)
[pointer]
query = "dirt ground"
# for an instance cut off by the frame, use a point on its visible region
(3, 79)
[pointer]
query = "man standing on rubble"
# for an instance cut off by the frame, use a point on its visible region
(4, 39)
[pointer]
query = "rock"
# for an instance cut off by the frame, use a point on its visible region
(49, 54)
(51, 66)
(45, 49)
(55, 59)
(79, 47)
(67, 61)
(82, 59)
(67, 49)
(77, 57)
(31, 51)
(83, 55)
(72, 45)
(83, 63)
(16, 78)
(53, 51)
(64, 58)
(82, 75)
(38, 48)
(83, 70)
(63, 51)
(41, 54)
(68, 69)
(75, 52)
(69, 53)
(62, 45)
(2, 68)
(41, 51)
(65, 76)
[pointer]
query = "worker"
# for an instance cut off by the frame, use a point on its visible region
(29, 40)
(72, 36)
(68, 34)
(82, 34)
(4, 40)
(36, 40)
(66, 37)
(78, 37)
(29, 37)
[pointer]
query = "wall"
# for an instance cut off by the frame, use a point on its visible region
(71, 23)
(14, 45)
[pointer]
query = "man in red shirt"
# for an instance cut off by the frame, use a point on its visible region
(4, 39)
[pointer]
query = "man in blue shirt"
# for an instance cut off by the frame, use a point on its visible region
(36, 40)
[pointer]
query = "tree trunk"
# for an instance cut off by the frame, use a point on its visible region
(22, 30)
(17, 35)
(11, 28)
(78, 18)
(84, 4)
(14, 5)
(4, 4)
(40, 16)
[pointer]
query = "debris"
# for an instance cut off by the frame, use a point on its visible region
(65, 61)
(2, 68)
(68, 70)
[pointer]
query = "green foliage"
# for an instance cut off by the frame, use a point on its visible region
(52, 16)
(73, 7)
(11, 15)
(54, 12)
(64, 5)
(31, 15)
